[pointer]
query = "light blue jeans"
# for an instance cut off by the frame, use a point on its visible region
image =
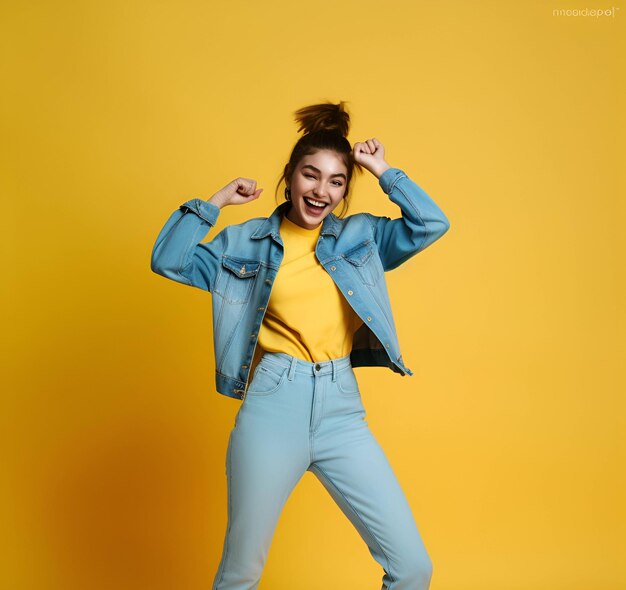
(299, 416)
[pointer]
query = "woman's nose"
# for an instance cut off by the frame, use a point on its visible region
(321, 190)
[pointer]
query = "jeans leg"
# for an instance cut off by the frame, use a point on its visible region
(352, 466)
(266, 457)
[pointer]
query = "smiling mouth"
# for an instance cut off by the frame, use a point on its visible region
(314, 203)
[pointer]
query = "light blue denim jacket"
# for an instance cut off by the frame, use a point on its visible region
(239, 265)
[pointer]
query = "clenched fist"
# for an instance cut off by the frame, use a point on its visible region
(236, 192)
(371, 155)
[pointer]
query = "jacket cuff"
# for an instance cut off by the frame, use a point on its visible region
(203, 209)
(389, 178)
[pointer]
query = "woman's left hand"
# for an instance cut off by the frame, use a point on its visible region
(371, 155)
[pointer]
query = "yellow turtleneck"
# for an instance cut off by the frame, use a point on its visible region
(307, 315)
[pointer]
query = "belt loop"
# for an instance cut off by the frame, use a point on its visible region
(292, 368)
(333, 362)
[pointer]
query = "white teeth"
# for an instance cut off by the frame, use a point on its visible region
(314, 202)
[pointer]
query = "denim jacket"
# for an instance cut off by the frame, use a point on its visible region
(239, 265)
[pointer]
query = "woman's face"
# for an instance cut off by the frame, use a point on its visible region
(318, 185)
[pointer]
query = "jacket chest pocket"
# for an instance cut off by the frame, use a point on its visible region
(364, 258)
(236, 278)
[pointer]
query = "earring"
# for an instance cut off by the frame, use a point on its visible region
(288, 194)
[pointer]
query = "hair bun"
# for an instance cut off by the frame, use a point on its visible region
(326, 116)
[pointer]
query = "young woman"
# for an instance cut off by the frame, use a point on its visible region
(299, 299)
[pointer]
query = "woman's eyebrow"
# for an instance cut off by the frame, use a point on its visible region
(318, 171)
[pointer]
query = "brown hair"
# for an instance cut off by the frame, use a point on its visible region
(325, 126)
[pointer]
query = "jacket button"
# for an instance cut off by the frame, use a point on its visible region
(387, 345)
(333, 268)
(268, 282)
(350, 293)
(369, 319)
(244, 366)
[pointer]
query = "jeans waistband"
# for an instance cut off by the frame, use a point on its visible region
(296, 365)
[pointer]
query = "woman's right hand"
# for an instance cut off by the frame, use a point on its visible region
(236, 192)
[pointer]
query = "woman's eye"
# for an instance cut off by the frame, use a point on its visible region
(337, 183)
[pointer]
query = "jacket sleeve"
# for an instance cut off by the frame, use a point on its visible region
(421, 224)
(178, 254)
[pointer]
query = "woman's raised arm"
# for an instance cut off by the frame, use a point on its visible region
(178, 254)
(421, 224)
(422, 221)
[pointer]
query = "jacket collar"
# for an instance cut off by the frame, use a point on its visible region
(271, 225)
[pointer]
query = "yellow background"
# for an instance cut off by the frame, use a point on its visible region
(509, 438)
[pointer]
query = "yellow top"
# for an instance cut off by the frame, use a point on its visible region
(307, 315)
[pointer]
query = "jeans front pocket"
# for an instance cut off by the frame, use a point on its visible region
(347, 383)
(267, 379)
